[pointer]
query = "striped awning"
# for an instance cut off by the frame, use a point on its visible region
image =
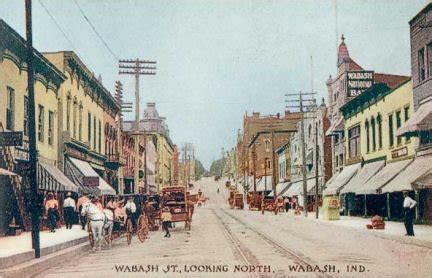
(52, 179)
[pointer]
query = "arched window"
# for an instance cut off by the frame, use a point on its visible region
(267, 145)
(367, 136)
(75, 115)
(373, 134)
(80, 119)
(310, 131)
(68, 110)
(379, 121)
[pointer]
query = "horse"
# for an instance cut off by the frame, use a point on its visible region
(101, 223)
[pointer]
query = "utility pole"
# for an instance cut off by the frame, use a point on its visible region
(137, 68)
(273, 158)
(254, 157)
(302, 104)
(33, 159)
(316, 170)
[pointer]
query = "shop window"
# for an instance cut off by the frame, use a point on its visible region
(41, 117)
(354, 142)
(398, 125)
(421, 65)
(391, 131)
(50, 127)
(379, 122)
(10, 109)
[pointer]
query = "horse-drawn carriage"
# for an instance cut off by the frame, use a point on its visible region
(175, 198)
(238, 201)
(269, 204)
(254, 200)
(153, 212)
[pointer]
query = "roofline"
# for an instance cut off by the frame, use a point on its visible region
(267, 132)
(424, 10)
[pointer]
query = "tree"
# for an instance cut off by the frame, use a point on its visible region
(199, 169)
(217, 166)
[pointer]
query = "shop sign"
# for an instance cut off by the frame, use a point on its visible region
(22, 153)
(91, 181)
(358, 82)
(11, 138)
(399, 152)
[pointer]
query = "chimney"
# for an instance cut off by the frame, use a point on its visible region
(287, 114)
(278, 115)
(255, 114)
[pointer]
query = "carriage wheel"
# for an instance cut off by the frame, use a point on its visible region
(91, 237)
(143, 228)
(276, 210)
(129, 231)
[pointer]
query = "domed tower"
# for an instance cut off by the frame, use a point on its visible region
(343, 58)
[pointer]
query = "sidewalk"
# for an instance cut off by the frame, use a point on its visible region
(393, 230)
(18, 249)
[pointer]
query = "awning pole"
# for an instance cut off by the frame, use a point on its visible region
(365, 205)
(388, 206)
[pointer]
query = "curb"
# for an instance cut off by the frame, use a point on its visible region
(37, 266)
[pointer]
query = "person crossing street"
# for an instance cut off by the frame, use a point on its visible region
(166, 217)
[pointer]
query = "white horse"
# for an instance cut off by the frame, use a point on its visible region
(101, 223)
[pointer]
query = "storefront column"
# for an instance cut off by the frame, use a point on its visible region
(417, 197)
(388, 206)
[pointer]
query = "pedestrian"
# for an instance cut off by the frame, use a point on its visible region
(409, 210)
(166, 217)
(51, 209)
(82, 201)
(287, 204)
(131, 209)
(69, 207)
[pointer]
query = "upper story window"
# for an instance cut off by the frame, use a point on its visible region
(80, 119)
(89, 129)
(398, 125)
(26, 116)
(429, 58)
(391, 131)
(379, 123)
(421, 65)
(354, 141)
(267, 145)
(50, 127)
(68, 111)
(75, 116)
(10, 109)
(367, 136)
(41, 124)
(406, 113)
(373, 134)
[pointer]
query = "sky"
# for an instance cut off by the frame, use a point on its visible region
(218, 59)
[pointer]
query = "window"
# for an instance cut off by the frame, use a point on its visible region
(391, 132)
(421, 65)
(80, 122)
(41, 117)
(341, 159)
(337, 161)
(354, 142)
(268, 164)
(100, 137)
(310, 131)
(406, 113)
(429, 58)
(373, 134)
(50, 127)
(74, 120)
(68, 111)
(367, 136)
(398, 125)
(10, 109)
(26, 116)
(267, 145)
(89, 128)
(379, 121)
(94, 133)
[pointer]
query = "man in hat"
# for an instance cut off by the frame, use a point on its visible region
(409, 210)
(131, 209)
(51, 209)
(82, 201)
(69, 210)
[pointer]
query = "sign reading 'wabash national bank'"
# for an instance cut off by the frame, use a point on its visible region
(358, 82)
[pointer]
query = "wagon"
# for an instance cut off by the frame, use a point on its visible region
(269, 204)
(152, 210)
(238, 201)
(174, 197)
(254, 200)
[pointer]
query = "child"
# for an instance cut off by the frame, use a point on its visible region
(166, 221)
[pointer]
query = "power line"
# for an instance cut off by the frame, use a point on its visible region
(58, 25)
(94, 29)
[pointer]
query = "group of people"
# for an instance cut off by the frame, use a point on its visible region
(293, 203)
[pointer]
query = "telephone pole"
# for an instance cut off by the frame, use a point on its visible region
(33, 159)
(137, 68)
(302, 104)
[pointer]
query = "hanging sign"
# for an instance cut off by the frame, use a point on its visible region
(11, 138)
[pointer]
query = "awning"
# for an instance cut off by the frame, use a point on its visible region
(337, 126)
(423, 182)
(338, 181)
(296, 187)
(389, 172)
(82, 171)
(421, 120)
(5, 172)
(52, 179)
(416, 169)
(261, 184)
(280, 189)
(363, 175)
